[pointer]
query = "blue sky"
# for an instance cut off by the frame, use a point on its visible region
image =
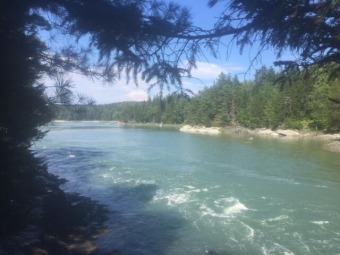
(208, 67)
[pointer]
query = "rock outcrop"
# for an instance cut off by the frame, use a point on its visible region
(287, 132)
(277, 133)
(200, 130)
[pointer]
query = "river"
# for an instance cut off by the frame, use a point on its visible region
(176, 193)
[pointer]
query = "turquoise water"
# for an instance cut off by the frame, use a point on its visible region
(175, 193)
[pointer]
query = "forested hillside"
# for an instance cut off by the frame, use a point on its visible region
(301, 102)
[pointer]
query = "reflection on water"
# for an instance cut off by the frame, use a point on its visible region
(175, 193)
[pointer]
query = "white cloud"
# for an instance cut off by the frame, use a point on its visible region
(203, 76)
(105, 93)
(206, 73)
(137, 95)
(210, 71)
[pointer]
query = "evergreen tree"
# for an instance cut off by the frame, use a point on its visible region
(310, 28)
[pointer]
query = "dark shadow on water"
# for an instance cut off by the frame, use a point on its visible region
(71, 224)
(116, 220)
(37, 217)
(133, 229)
(123, 225)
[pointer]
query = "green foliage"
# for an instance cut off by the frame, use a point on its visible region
(260, 103)
(318, 104)
(171, 109)
(309, 28)
(334, 108)
(290, 123)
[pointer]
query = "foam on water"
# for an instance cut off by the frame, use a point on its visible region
(171, 199)
(302, 242)
(236, 208)
(177, 196)
(197, 190)
(124, 180)
(250, 232)
(276, 249)
(276, 219)
(105, 175)
(224, 208)
(137, 182)
(231, 206)
(208, 211)
(321, 186)
(320, 222)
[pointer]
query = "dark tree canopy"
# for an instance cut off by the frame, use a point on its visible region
(129, 37)
(309, 28)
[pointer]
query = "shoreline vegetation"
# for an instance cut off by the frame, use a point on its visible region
(332, 140)
(258, 103)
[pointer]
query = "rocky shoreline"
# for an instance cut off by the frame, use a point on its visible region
(332, 141)
(200, 130)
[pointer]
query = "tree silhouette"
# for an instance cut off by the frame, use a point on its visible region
(308, 28)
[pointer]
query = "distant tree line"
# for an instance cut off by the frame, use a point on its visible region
(301, 102)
